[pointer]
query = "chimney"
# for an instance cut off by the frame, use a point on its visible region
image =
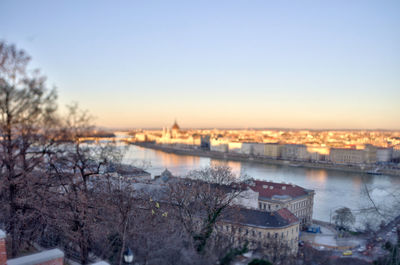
(265, 186)
(3, 253)
(271, 187)
(283, 187)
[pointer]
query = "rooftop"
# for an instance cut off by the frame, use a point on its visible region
(268, 189)
(252, 217)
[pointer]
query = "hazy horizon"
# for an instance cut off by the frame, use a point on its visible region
(244, 128)
(225, 64)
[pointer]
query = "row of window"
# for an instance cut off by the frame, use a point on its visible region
(265, 206)
(254, 233)
(301, 213)
(295, 206)
(299, 205)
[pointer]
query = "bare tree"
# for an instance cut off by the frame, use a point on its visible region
(343, 218)
(26, 119)
(201, 200)
(72, 166)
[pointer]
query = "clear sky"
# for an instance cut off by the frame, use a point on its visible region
(298, 64)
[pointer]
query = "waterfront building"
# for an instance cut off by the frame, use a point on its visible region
(275, 196)
(272, 150)
(384, 155)
(294, 152)
(256, 149)
(347, 156)
(223, 148)
(235, 147)
(205, 142)
(247, 223)
(175, 130)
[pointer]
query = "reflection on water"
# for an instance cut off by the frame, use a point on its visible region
(317, 176)
(333, 188)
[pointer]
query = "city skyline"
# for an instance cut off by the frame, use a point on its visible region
(225, 64)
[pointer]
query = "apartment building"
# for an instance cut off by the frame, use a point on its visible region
(256, 149)
(347, 156)
(260, 228)
(273, 150)
(275, 196)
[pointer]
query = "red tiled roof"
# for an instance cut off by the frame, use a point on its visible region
(287, 215)
(266, 192)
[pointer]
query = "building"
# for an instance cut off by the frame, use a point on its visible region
(47, 257)
(223, 148)
(384, 155)
(128, 171)
(275, 196)
(347, 156)
(205, 142)
(256, 149)
(263, 229)
(294, 152)
(273, 150)
(175, 130)
(268, 212)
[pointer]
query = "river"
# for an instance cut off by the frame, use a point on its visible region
(333, 189)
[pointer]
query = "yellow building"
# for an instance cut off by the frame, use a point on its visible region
(347, 156)
(262, 229)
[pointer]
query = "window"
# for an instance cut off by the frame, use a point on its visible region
(268, 235)
(259, 234)
(276, 235)
(259, 205)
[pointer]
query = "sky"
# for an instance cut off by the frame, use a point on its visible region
(217, 64)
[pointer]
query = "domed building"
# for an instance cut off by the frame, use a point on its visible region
(175, 130)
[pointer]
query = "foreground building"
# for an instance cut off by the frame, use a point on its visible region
(269, 214)
(47, 257)
(266, 230)
(275, 196)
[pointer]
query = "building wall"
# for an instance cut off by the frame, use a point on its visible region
(258, 149)
(256, 236)
(370, 153)
(302, 153)
(224, 148)
(292, 151)
(384, 155)
(235, 147)
(272, 150)
(247, 148)
(47, 257)
(3, 252)
(347, 156)
(301, 207)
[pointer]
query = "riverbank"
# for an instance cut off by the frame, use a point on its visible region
(265, 160)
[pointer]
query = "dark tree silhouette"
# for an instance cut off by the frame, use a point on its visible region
(27, 118)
